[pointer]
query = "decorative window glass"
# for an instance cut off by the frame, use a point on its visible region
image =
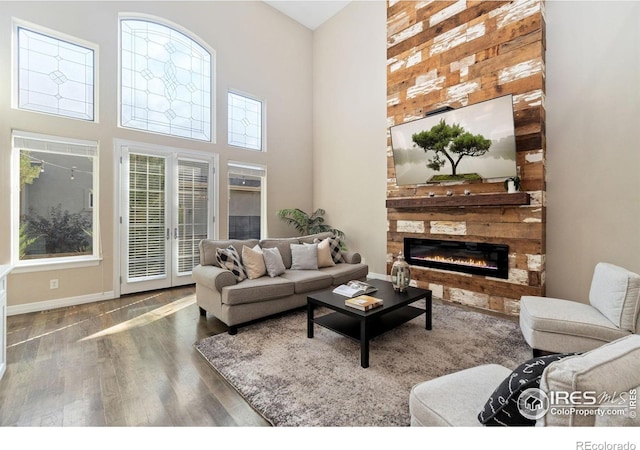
(245, 122)
(55, 212)
(55, 76)
(165, 81)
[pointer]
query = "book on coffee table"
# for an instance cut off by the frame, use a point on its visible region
(354, 288)
(363, 302)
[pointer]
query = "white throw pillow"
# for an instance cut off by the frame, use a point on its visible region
(324, 254)
(615, 292)
(253, 261)
(304, 256)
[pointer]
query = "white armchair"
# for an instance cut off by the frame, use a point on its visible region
(551, 325)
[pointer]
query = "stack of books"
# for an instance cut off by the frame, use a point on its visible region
(363, 302)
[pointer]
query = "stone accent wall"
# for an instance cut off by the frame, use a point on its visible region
(457, 53)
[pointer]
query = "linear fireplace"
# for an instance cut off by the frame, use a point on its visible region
(468, 257)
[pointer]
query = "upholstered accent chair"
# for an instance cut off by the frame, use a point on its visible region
(551, 325)
(611, 371)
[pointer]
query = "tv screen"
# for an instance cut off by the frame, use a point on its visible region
(472, 143)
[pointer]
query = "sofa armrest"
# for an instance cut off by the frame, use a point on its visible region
(352, 257)
(213, 277)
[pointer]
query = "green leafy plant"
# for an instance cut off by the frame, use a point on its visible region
(308, 224)
(450, 143)
(62, 231)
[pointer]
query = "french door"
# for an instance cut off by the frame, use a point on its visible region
(166, 209)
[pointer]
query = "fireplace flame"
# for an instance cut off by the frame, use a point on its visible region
(471, 262)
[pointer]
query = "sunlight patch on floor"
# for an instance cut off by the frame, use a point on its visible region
(166, 310)
(145, 318)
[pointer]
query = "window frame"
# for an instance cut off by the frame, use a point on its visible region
(212, 79)
(63, 262)
(16, 24)
(255, 170)
(263, 120)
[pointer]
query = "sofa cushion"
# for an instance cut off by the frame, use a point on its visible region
(307, 280)
(258, 290)
(456, 398)
(615, 292)
(273, 261)
(304, 256)
(228, 258)
(612, 368)
(312, 238)
(343, 272)
(501, 409)
(557, 317)
(253, 262)
(208, 248)
(283, 246)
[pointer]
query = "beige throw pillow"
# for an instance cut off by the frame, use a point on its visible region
(324, 254)
(253, 261)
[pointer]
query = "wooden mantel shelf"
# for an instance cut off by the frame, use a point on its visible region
(501, 199)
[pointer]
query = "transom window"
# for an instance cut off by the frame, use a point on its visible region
(165, 81)
(55, 76)
(245, 122)
(55, 211)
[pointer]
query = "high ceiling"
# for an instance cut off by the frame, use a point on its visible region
(310, 13)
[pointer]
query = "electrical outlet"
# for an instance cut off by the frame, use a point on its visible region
(53, 284)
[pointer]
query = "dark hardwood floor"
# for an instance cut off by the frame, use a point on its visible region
(124, 362)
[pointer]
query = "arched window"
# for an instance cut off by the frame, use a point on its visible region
(165, 81)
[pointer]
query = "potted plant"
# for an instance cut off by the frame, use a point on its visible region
(512, 184)
(308, 224)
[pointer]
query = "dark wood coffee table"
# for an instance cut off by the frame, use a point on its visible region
(362, 326)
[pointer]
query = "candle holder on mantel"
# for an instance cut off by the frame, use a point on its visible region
(400, 274)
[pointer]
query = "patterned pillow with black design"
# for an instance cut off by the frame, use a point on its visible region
(502, 407)
(229, 259)
(334, 246)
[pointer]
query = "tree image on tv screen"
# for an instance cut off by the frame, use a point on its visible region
(451, 143)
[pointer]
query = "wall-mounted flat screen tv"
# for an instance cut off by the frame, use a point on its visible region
(473, 143)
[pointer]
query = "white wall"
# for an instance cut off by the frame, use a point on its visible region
(349, 127)
(593, 155)
(258, 50)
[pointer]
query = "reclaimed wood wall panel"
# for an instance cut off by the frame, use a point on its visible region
(457, 53)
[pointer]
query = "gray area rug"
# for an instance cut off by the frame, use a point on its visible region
(295, 381)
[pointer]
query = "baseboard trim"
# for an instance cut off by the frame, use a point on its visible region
(377, 276)
(59, 303)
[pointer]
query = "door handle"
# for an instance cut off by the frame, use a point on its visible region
(168, 234)
(175, 233)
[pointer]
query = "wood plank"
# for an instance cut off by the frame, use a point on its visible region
(518, 198)
(59, 375)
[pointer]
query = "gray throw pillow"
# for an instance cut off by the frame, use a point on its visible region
(304, 256)
(273, 261)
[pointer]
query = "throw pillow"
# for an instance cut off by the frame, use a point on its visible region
(334, 246)
(273, 261)
(229, 259)
(253, 261)
(304, 256)
(324, 254)
(502, 407)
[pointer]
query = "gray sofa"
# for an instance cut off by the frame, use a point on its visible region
(237, 303)
(612, 372)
